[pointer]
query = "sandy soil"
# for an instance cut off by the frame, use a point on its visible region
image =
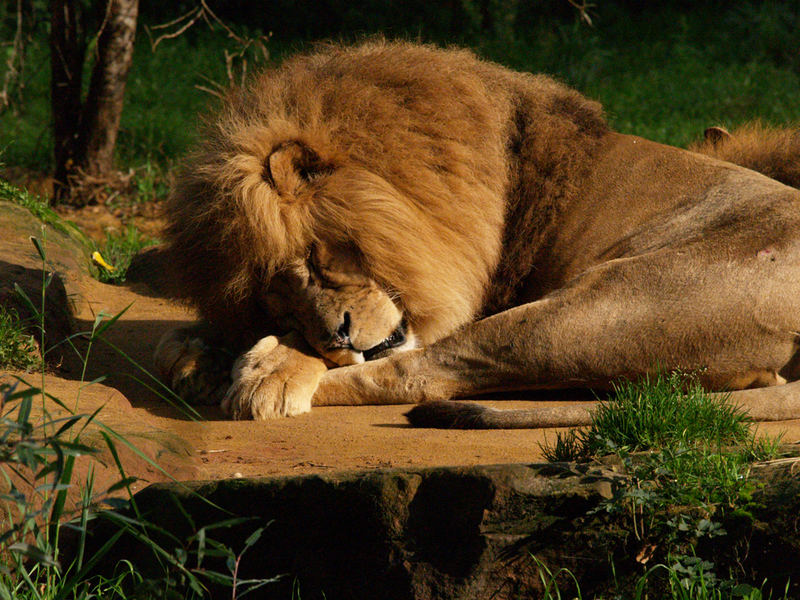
(328, 438)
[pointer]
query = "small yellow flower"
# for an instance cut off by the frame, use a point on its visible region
(98, 259)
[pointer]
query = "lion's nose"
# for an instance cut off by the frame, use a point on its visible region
(342, 336)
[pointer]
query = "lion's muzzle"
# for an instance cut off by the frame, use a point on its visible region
(397, 339)
(342, 344)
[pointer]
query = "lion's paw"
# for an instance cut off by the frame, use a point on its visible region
(273, 379)
(197, 372)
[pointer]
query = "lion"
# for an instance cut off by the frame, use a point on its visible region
(775, 152)
(394, 223)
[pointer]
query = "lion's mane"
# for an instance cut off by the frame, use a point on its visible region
(775, 152)
(443, 170)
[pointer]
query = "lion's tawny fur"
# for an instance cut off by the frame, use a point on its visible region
(377, 198)
(432, 159)
(772, 151)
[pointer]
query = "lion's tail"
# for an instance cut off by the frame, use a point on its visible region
(775, 403)
(453, 414)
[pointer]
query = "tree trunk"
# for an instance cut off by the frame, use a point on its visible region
(67, 49)
(103, 108)
(85, 133)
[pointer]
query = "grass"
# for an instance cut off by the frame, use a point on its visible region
(18, 349)
(37, 466)
(667, 75)
(118, 252)
(687, 456)
(115, 253)
(661, 72)
(667, 410)
(40, 209)
(686, 578)
(38, 458)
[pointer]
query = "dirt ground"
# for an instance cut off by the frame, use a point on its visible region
(330, 438)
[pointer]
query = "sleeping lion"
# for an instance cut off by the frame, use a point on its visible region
(392, 223)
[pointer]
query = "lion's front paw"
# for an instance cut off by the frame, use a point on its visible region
(196, 371)
(273, 379)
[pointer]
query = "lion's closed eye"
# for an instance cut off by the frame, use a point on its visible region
(336, 267)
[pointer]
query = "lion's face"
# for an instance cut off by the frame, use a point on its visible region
(342, 313)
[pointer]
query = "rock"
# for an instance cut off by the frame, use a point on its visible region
(455, 533)
(67, 250)
(58, 317)
(72, 303)
(21, 265)
(439, 533)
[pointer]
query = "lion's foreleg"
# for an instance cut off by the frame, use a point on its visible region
(275, 378)
(624, 319)
(506, 352)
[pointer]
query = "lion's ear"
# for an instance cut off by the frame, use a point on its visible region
(714, 135)
(292, 164)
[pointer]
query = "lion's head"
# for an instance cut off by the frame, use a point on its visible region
(365, 192)
(342, 313)
(328, 198)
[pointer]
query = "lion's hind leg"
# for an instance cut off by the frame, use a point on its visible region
(197, 370)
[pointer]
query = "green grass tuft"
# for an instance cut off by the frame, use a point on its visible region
(667, 410)
(35, 205)
(118, 250)
(40, 209)
(662, 411)
(687, 456)
(684, 577)
(18, 349)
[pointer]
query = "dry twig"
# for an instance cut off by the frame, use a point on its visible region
(583, 10)
(179, 26)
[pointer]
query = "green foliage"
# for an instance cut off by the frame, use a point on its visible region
(667, 74)
(663, 411)
(661, 72)
(185, 561)
(37, 464)
(150, 183)
(36, 206)
(118, 251)
(38, 458)
(37, 461)
(687, 456)
(682, 578)
(119, 248)
(18, 349)
(42, 211)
